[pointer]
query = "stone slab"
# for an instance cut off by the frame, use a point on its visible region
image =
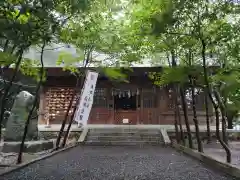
(38, 146)
(83, 135)
(165, 137)
(30, 146)
(10, 147)
(15, 124)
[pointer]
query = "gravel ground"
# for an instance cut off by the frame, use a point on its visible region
(11, 158)
(118, 163)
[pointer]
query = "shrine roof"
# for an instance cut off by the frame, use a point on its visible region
(133, 71)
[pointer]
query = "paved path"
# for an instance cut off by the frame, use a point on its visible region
(118, 163)
(216, 151)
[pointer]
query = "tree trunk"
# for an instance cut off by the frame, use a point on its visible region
(209, 92)
(19, 160)
(184, 107)
(222, 101)
(87, 60)
(207, 116)
(223, 113)
(177, 103)
(66, 116)
(68, 128)
(180, 124)
(5, 47)
(192, 82)
(71, 119)
(178, 114)
(176, 122)
(177, 135)
(228, 152)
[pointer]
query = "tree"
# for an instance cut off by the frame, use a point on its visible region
(26, 23)
(41, 74)
(201, 25)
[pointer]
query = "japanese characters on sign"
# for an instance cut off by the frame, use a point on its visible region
(86, 98)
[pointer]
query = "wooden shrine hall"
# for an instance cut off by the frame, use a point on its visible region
(136, 102)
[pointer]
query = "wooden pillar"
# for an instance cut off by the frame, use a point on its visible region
(138, 106)
(108, 99)
(111, 106)
(156, 103)
(160, 106)
(41, 109)
(141, 106)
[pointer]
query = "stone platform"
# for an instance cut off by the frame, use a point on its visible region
(123, 136)
(75, 128)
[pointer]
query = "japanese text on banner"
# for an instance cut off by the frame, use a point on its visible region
(86, 99)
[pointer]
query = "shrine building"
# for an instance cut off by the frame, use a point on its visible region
(115, 103)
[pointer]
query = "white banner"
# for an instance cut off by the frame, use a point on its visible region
(86, 98)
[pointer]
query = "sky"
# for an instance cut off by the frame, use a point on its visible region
(51, 55)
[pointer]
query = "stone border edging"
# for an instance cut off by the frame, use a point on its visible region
(83, 136)
(225, 167)
(165, 137)
(20, 166)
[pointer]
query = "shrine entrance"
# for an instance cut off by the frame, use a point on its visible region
(125, 103)
(126, 107)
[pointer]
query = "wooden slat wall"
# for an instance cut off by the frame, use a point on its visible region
(154, 106)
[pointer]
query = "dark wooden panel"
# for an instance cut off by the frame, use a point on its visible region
(132, 116)
(100, 116)
(149, 116)
(100, 98)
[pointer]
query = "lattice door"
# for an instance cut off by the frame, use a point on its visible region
(149, 105)
(99, 113)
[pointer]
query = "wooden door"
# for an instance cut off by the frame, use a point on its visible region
(149, 107)
(126, 110)
(100, 113)
(131, 115)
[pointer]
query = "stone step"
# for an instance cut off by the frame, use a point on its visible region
(120, 130)
(125, 138)
(122, 143)
(125, 135)
(124, 132)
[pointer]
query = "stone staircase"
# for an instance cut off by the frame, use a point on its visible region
(123, 136)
